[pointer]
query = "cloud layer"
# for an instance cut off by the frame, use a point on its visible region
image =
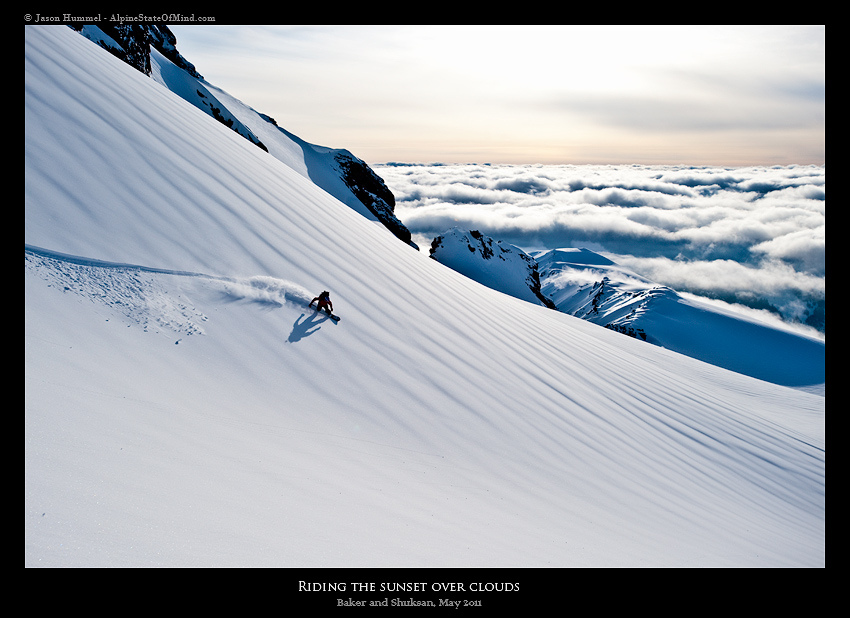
(752, 235)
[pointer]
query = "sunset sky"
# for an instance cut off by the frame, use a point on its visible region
(698, 95)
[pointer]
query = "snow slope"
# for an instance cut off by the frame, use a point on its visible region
(323, 165)
(184, 408)
(588, 285)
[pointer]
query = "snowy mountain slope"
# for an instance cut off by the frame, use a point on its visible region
(576, 280)
(337, 171)
(497, 265)
(196, 91)
(587, 285)
(206, 417)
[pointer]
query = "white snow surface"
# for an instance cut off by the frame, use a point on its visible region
(315, 162)
(183, 407)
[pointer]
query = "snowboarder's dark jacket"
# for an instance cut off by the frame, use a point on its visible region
(324, 302)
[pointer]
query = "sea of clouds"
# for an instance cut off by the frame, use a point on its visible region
(753, 236)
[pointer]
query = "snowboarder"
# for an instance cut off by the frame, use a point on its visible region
(324, 303)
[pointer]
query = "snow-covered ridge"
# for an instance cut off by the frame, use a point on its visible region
(152, 51)
(440, 423)
(589, 286)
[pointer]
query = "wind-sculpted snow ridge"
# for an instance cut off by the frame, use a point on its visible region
(144, 297)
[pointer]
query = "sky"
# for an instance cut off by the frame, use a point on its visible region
(696, 95)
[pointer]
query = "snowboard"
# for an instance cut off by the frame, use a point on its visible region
(335, 318)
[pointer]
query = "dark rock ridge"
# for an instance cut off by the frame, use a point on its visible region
(132, 44)
(371, 190)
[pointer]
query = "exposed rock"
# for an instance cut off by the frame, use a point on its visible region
(371, 190)
(164, 40)
(131, 43)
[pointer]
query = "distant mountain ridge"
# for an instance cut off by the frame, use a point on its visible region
(496, 264)
(589, 286)
(151, 49)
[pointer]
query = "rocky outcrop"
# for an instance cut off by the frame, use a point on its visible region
(164, 40)
(497, 265)
(628, 330)
(371, 190)
(132, 44)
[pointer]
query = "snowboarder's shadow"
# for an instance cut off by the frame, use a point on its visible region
(306, 327)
